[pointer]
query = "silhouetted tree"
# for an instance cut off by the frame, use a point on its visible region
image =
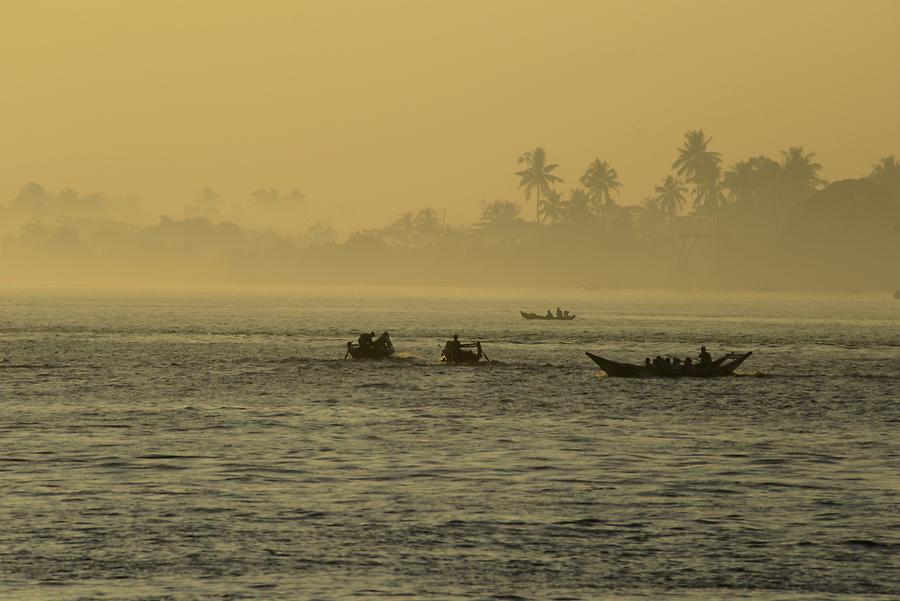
(537, 177)
(553, 208)
(758, 182)
(265, 196)
(33, 198)
(578, 207)
(670, 196)
(801, 173)
(886, 173)
(294, 197)
(702, 167)
(500, 213)
(206, 204)
(320, 233)
(427, 225)
(402, 229)
(600, 181)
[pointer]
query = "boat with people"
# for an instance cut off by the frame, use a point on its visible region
(550, 315)
(455, 352)
(370, 347)
(667, 368)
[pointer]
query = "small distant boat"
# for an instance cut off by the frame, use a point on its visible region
(463, 356)
(565, 317)
(723, 366)
(897, 294)
(379, 348)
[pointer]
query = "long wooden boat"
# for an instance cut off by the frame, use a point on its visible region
(526, 315)
(723, 366)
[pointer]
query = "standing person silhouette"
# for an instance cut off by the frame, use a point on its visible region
(705, 357)
(453, 348)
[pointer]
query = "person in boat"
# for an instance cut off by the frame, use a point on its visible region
(688, 364)
(558, 313)
(453, 348)
(365, 340)
(667, 364)
(549, 314)
(566, 314)
(676, 363)
(705, 357)
(383, 342)
(647, 362)
(658, 362)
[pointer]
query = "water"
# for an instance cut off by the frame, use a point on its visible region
(213, 444)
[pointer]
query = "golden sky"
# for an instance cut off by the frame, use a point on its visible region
(377, 107)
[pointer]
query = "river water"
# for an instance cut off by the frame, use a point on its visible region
(213, 444)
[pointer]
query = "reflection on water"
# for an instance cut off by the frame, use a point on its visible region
(214, 444)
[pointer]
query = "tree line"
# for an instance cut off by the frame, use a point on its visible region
(762, 222)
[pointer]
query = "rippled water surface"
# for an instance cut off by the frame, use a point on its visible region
(214, 444)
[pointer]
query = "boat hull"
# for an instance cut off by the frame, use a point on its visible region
(376, 352)
(545, 317)
(723, 366)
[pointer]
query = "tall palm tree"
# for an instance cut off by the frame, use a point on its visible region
(702, 167)
(553, 207)
(537, 177)
(800, 170)
(670, 196)
(601, 181)
(695, 160)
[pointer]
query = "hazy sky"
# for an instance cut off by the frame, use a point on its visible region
(377, 107)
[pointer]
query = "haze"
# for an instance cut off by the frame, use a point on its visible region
(358, 112)
(372, 108)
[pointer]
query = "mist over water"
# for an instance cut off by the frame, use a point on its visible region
(202, 202)
(212, 444)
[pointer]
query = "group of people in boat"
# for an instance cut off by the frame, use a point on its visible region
(368, 346)
(560, 314)
(669, 363)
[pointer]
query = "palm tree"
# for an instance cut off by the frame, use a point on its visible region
(601, 181)
(695, 161)
(708, 195)
(886, 171)
(578, 206)
(800, 170)
(886, 166)
(702, 167)
(670, 196)
(537, 177)
(553, 208)
(756, 182)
